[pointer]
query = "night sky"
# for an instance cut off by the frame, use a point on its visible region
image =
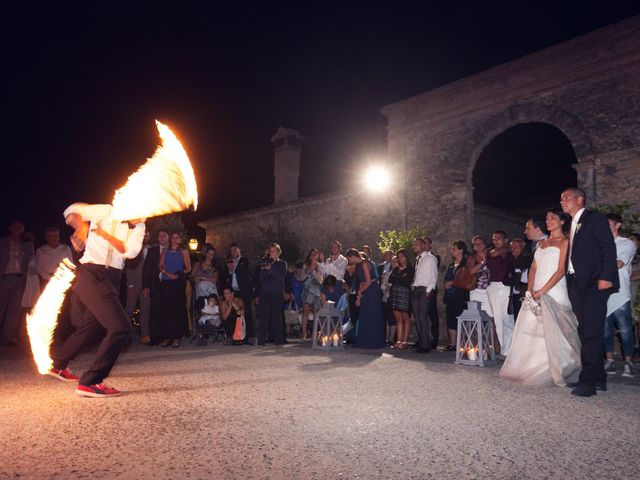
(81, 85)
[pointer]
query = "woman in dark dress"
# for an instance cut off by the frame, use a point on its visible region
(400, 280)
(371, 327)
(174, 266)
(455, 298)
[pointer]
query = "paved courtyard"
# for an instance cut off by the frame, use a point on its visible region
(223, 412)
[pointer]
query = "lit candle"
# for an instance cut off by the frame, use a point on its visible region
(324, 341)
(336, 340)
(472, 354)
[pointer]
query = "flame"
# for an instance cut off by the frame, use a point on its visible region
(164, 184)
(42, 320)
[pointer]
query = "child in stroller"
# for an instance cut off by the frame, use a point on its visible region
(209, 324)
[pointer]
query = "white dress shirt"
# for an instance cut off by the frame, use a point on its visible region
(97, 249)
(336, 267)
(625, 251)
(426, 271)
(48, 259)
(572, 233)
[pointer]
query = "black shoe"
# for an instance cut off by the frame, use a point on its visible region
(422, 350)
(583, 391)
(601, 387)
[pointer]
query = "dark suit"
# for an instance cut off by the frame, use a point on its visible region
(133, 269)
(244, 290)
(593, 256)
(387, 312)
(11, 289)
(151, 280)
(432, 313)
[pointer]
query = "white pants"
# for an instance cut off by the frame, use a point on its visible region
(498, 294)
(480, 295)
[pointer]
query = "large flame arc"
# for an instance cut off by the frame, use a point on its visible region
(42, 320)
(164, 184)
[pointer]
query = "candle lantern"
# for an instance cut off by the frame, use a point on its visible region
(327, 328)
(475, 337)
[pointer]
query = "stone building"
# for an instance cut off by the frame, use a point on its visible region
(587, 88)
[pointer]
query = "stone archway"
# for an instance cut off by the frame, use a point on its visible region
(522, 114)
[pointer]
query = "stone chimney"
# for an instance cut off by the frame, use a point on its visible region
(287, 145)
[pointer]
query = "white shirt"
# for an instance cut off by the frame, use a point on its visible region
(336, 267)
(386, 266)
(14, 265)
(97, 249)
(572, 232)
(426, 271)
(48, 259)
(625, 251)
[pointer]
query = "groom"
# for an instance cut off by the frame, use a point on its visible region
(591, 277)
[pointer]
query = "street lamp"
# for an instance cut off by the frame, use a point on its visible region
(377, 178)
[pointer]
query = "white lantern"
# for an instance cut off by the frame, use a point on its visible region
(327, 328)
(475, 337)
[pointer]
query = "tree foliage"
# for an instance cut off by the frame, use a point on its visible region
(396, 239)
(630, 217)
(171, 222)
(289, 242)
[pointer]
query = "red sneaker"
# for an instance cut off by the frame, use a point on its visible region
(99, 390)
(65, 375)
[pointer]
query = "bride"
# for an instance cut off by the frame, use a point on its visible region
(546, 347)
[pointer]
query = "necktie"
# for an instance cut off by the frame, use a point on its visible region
(572, 234)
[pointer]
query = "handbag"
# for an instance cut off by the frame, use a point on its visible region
(241, 329)
(291, 314)
(464, 279)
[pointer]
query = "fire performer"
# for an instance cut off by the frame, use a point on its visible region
(107, 234)
(106, 243)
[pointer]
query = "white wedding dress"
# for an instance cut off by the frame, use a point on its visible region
(545, 348)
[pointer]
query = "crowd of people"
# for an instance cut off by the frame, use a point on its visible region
(172, 293)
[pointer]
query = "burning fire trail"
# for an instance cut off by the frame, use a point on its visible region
(164, 184)
(42, 320)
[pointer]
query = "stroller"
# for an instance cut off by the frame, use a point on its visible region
(204, 332)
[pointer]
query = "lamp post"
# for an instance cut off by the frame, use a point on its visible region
(377, 178)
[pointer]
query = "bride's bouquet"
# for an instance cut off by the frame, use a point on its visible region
(529, 303)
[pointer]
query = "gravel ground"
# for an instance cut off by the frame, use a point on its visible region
(224, 412)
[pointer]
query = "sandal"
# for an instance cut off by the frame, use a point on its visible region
(404, 345)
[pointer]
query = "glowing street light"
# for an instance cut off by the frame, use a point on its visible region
(193, 244)
(377, 178)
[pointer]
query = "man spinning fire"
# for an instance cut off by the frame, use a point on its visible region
(106, 244)
(107, 235)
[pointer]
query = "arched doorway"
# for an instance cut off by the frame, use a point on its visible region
(523, 170)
